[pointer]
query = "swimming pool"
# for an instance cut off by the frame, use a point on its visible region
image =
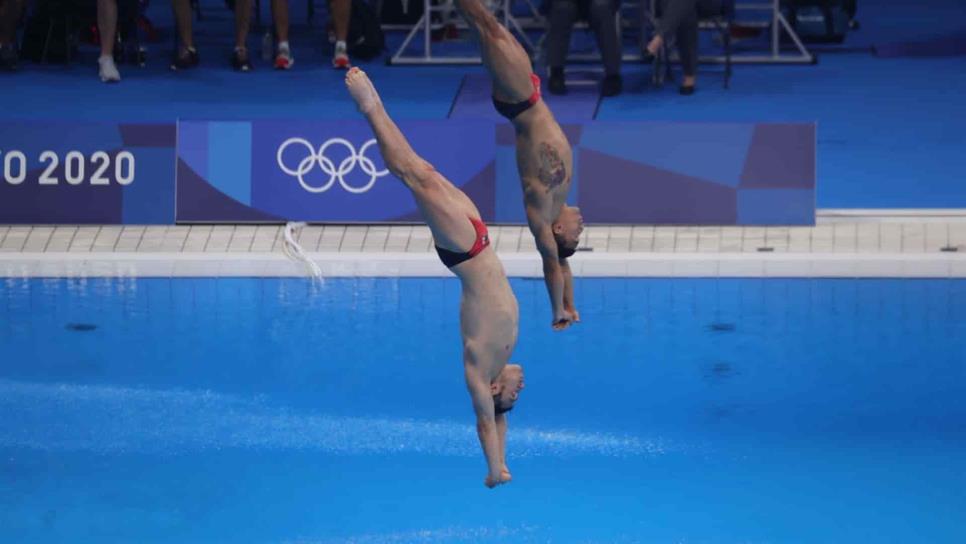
(679, 411)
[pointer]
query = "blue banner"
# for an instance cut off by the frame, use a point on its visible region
(320, 171)
(87, 173)
(654, 173)
(274, 171)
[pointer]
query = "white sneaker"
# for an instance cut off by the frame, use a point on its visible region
(340, 60)
(283, 59)
(108, 70)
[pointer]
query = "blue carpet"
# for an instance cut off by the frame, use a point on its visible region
(884, 124)
(892, 21)
(943, 46)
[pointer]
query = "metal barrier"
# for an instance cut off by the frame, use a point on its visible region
(448, 17)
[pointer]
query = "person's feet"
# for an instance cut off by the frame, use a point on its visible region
(687, 86)
(556, 83)
(135, 54)
(340, 60)
(283, 58)
(240, 61)
(362, 90)
(612, 85)
(9, 60)
(185, 58)
(107, 70)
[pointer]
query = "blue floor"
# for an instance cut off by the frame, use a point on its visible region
(889, 128)
(699, 411)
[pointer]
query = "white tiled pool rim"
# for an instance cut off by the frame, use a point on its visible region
(844, 243)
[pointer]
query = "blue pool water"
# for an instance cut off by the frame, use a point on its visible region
(679, 411)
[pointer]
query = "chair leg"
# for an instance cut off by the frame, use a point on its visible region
(50, 33)
(724, 30)
(659, 67)
(666, 58)
(67, 36)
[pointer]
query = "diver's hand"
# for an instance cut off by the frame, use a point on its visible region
(573, 311)
(505, 474)
(493, 481)
(561, 320)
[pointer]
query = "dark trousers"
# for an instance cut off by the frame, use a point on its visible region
(602, 16)
(679, 18)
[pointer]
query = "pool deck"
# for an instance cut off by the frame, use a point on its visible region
(844, 243)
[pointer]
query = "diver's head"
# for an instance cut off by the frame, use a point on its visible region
(567, 229)
(506, 388)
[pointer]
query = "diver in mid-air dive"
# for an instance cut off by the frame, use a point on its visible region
(488, 310)
(544, 157)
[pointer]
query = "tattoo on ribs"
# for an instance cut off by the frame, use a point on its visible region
(552, 169)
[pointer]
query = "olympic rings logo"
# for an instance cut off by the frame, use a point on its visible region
(328, 167)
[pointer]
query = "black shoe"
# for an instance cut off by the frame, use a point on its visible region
(184, 59)
(612, 85)
(556, 84)
(139, 56)
(686, 90)
(9, 60)
(240, 61)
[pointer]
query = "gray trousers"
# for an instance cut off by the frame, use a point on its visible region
(602, 15)
(679, 18)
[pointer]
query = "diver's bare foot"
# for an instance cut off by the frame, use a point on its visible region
(362, 90)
